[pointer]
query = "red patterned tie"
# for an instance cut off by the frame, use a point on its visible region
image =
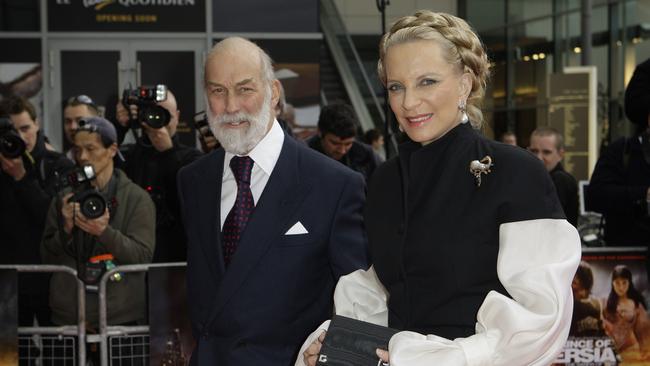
(236, 220)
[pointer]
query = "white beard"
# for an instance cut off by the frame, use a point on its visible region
(240, 141)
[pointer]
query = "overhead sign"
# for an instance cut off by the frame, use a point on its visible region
(572, 103)
(127, 15)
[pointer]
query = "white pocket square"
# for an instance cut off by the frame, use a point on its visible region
(297, 229)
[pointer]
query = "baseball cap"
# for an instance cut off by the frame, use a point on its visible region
(102, 127)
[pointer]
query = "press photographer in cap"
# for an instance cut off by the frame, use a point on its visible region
(100, 219)
(620, 185)
(27, 174)
(154, 159)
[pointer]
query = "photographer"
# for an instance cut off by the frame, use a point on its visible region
(27, 175)
(152, 163)
(124, 232)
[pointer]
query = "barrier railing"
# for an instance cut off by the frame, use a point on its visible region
(139, 334)
(78, 330)
(106, 331)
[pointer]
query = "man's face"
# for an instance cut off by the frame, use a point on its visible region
(510, 140)
(26, 127)
(71, 117)
(579, 292)
(336, 147)
(544, 147)
(89, 150)
(239, 100)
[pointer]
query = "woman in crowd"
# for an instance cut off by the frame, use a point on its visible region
(625, 315)
(472, 256)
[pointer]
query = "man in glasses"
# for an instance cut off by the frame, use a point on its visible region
(26, 189)
(76, 108)
(152, 163)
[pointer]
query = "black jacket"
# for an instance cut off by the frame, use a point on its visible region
(434, 234)
(618, 189)
(567, 191)
(359, 158)
(156, 173)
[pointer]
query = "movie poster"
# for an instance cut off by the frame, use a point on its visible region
(8, 318)
(610, 324)
(171, 341)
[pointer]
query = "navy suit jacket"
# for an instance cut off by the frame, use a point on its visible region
(278, 288)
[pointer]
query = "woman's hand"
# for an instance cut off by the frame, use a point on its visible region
(311, 353)
(383, 355)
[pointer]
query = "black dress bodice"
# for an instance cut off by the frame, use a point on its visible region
(434, 233)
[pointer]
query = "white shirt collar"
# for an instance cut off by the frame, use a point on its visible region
(266, 153)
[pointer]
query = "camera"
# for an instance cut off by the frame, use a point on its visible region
(149, 112)
(91, 202)
(205, 134)
(11, 145)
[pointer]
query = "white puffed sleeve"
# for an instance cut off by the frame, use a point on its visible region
(358, 295)
(536, 264)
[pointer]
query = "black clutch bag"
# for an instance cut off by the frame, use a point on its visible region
(351, 342)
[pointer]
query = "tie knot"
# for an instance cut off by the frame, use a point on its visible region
(242, 166)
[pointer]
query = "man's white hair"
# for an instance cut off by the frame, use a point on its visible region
(265, 60)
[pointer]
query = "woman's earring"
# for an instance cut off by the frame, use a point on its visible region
(462, 106)
(400, 128)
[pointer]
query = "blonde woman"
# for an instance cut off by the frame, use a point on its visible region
(473, 257)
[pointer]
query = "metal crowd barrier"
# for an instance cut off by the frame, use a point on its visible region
(58, 352)
(113, 340)
(133, 338)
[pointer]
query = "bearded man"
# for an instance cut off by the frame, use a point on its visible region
(263, 263)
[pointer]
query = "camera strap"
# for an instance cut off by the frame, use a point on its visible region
(111, 195)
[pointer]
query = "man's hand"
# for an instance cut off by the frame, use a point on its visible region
(122, 115)
(94, 227)
(311, 353)
(159, 137)
(13, 167)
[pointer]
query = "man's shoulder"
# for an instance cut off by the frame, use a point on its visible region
(563, 177)
(362, 150)
(318, 163)
(128, 188)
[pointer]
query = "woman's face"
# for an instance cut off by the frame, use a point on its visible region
(424, 89)
(621, 285)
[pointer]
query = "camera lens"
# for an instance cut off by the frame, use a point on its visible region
(155, 117)
(92, 204)
(11, 145)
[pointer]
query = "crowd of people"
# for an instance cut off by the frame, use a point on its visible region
(465, 245)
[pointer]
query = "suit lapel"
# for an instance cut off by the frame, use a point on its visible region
(209, 203)
(282, 195)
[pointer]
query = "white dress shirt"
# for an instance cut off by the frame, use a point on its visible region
(265, 154)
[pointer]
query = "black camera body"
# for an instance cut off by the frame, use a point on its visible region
(91, 202)
(11, 145)
(147, 99)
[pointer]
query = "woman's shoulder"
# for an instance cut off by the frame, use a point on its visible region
(514, 160)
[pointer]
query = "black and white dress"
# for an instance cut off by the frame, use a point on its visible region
(473, 274)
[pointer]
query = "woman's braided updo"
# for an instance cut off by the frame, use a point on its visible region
(454, 35)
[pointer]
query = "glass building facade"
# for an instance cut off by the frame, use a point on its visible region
(528, 40)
